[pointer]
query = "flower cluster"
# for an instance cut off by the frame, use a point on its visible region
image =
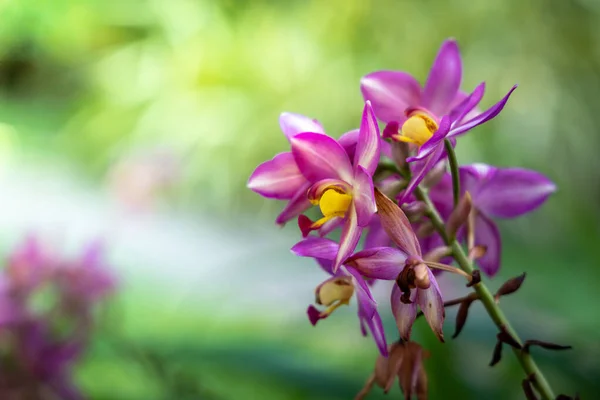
(46, 317)
(369, 183)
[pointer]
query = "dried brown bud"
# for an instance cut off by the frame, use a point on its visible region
(497, 355)
(459, 215)
(545, 345)
(528, 389)
(425, 229)
(414, 210)
(477, 251)
(435, 255)
(463, 313)
(510, 286)
(400, 152)
(475, 278)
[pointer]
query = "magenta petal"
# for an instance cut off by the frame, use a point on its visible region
(363, 197)
(433, 142)
(292, 124)
(278, 178)
(459, 112)
(390, 93)
(368, 147)
(378, 262)
(349, 239)
(348, 141)
(487, 234)
(296, 206)
(511, 192)
(425, 167)
(320, 157)
(405, 314)
(431, 303)
(376, 235)
(483, 117)
(314, 315)
(316, 247)
(444, 79)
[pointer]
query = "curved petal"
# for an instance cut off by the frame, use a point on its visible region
(425, 167)
(434, 142)
(368, 147)
(444, 79)
(316, 247)
(292, 124)
(390, 93)
(512, 192)
(320, 157)
(278, 178)
(378, 262)
(431, 303)
(396, 224)
(296, 206)
(405, 314)
(315, 192)
(363, 196)
(463, 109)
(349, 239)
(483, 117)
(487, 234)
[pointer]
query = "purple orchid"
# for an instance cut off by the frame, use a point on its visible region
(342, 189)
(405, 264)
(495, 193)
(340, 288)
(426, 117)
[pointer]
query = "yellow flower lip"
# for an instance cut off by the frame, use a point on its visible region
(418, 128)
(334, 202)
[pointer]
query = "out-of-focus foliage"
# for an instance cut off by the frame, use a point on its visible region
(86, 83)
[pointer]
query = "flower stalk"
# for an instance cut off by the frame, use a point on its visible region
(453, 164)
(485, 296)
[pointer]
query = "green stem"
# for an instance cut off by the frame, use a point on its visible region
(525, 359)
(454, 170)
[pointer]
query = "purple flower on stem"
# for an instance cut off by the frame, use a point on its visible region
(495, 193)
(405, 264)
(340, 288)
(426, 117)
(343, 190)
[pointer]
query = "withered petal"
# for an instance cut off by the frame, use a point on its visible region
(511, 285)
(545, 345)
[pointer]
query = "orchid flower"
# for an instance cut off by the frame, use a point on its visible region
(405, 264)
(495, 193)
(425, 117)
(343, 190)
(340, 288)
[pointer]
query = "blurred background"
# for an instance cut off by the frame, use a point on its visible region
(139, 121)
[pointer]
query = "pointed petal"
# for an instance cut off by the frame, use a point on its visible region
(434, 142)
(278, 178)
(292, 124)
(296, 206)
(431, 303)
(512, 192)
(483, 117)
(463, 109)
(363, 196)
(368, 147)
(425, 167)
(349, 239)
(444, 79)
(397, 225)
(390, 92)
(320, 157)
(405, 314)
(487, 234)
(316, 247)
(378, 262)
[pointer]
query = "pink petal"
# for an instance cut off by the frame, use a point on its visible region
(444, 79)
(278, 178)
(425, 167)
(466, 106)
(363, 197)
(320, 157)
(296, 206)
(348, 141)
(390, 93)
(483, 117)
(511, 192)
(405, 314)
(431, 303)
(316, 247)
(349, 239)
(368, 147)
(292, 124)
(378, 262)
(376, 235)
(487, 234)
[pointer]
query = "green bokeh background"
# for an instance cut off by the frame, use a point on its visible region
(211, 303)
